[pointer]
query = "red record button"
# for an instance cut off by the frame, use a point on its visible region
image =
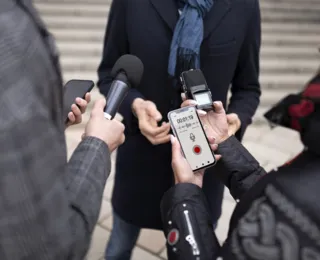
(197, 149)
(173, 237)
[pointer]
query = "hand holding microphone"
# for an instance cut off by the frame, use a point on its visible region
(109, 131)
(127, 73)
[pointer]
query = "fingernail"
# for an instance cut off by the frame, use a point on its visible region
(172, 139)
(202, 113)
(193, 102)
(78, 99)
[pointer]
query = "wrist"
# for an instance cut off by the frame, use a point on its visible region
(136, 103)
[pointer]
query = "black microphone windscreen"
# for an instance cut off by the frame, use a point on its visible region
(132, 66)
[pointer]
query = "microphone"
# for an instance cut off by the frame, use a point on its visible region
(127, 72)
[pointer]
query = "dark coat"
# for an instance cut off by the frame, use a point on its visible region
(278, 216)
(229, 55)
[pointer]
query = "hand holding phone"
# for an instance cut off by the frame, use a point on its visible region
(181, 168)
(72, 90)
(188, 129)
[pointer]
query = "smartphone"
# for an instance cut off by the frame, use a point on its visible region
(195, 87)
(186, 126)
(73, 89)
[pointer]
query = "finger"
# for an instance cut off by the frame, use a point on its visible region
(189, 102)
(163, 134)
(153, 111)
(123, 138)
(98, 107)
(76, 110)
(218, 107)
(162, 140)
(199, 173)
(211, 140)
(231, 118)
(183, 97)
(150, 130)
(71, 118)
(176, 149)
(218, 157)
(214, 147)
(82, 104)
(201, 112)
(87, 97)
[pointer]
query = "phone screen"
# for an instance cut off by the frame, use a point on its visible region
(188, 129)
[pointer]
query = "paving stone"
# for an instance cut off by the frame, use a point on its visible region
(264, 153)
(283, 139)
(254, 133)
(164, 254)
(105, 211)
(152, 240)
(223, 224)
(98, 243)
(108, 189)
(227, 195)
(107, 223)
(270, 166)
(141, 254)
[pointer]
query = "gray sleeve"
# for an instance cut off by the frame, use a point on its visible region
(48, 207)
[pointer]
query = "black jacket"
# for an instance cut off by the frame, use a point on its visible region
(229, 55)
(278, 216)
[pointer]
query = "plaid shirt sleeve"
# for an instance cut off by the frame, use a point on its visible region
(48, 207)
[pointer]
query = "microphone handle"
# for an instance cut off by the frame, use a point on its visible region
(117, 93)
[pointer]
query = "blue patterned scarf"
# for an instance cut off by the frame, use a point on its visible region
(188, 36)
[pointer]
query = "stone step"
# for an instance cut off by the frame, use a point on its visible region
(309, 16)
(262, 2)
(275, 66)
(83, 35)
(291, 28)
(284, 84)
(258, 118)
(268, 98)
(67, 37)
(84, 17)
(87, 9)
(100, 22)
(288, 6)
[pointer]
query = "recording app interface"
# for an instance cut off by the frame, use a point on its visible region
(192, 138)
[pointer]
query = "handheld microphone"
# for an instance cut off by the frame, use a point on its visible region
(127, 72)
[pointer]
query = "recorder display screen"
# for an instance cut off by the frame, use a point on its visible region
(191, 136)
(203, 98)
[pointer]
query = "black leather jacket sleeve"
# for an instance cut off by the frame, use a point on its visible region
(242, 169)
(187, 224)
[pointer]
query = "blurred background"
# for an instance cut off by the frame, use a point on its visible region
(289, 58)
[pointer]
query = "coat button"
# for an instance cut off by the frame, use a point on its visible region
(173, 237)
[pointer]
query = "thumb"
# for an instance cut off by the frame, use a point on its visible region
(218, 107)
(231, 118)
(153, 112)
(98, 107)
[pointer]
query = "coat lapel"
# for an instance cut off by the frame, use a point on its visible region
(168, 11)
(219, 9)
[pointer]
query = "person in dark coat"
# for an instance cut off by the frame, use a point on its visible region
(220, 37)
(278, 216)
